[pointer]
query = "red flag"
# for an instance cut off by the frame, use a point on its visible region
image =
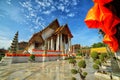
(108, 20)
(101, 17)
(92, 19)
(111, 41)
(102, 1)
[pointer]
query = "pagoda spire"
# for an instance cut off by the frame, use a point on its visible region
(14, 44)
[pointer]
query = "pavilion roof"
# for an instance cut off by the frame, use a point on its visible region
(37, 37)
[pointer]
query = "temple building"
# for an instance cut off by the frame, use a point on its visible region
(54, 38)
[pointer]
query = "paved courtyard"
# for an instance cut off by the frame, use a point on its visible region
(53, 70)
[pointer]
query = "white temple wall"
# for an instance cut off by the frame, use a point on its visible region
(47, 33)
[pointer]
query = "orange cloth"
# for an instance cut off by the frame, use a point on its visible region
(111, 41)
(102, 1)
(92, 19)
(108, 21)
(101, 17)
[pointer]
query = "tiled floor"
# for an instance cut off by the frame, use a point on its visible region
(53, 70)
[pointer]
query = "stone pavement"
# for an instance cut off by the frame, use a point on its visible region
(53, 70)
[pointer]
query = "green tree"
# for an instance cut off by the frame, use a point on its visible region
(103, 57)
(73, 61)
(99, 44)
(94, 55)
(98, 62)
(81, 65)
(32, 57)
(96, 66)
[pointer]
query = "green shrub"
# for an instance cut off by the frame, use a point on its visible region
(95, 66)
(94, 55)
(72, 61)
(103, 56)
(74, 71)
(85, 73)
(32, 57)
(98, 62)
(0, 58)
(79, 54)
(73, 78)
(82, 64)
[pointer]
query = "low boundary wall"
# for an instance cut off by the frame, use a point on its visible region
(22, 58)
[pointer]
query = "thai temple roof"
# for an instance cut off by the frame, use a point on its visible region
(37, 37)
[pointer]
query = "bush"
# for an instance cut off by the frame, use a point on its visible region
(94, 55)
(98, 62)
(0, 58)
(79, 54)
(73, 78)
(74, 71)
(32, 57)
(72, 61)
(95, 66)
(85, 73)
(82, 64)
(103, 56)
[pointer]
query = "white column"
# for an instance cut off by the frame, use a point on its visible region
(57, 42)
(48, 44)
(69, 43)
(61, 43)
(64, 45)
(52, 45)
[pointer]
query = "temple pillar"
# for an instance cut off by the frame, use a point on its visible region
(69, 43)
(61, 42)
(64, 45)
(57, 42)
(48, 45)
(52, 45)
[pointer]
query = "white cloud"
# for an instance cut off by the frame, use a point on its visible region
(67, 10)
(61, 7)
(8, 2)
(5, 37)
(74, 2)
(71, 14)
(2, 16)
(47, 12)
(4, 42)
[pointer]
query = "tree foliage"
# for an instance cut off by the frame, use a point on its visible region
(73, 61)
(94, 55)
(85, 73)
(95, 66)
(32, 57)
(73, 78)
(103, 57)
(97, 45)
(74, 71)
(98, 62)
(82, 64)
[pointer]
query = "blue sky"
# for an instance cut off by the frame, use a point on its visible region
(30, 16)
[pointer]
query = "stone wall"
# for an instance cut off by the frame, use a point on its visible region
(19, 59)
(37, 59)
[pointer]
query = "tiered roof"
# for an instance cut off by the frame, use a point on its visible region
(37, 37)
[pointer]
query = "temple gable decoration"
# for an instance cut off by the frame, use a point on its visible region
(56, 38)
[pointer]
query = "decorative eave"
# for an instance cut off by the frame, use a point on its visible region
(53, 25)
(63, 29)
(36, 38)
(67, 31)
